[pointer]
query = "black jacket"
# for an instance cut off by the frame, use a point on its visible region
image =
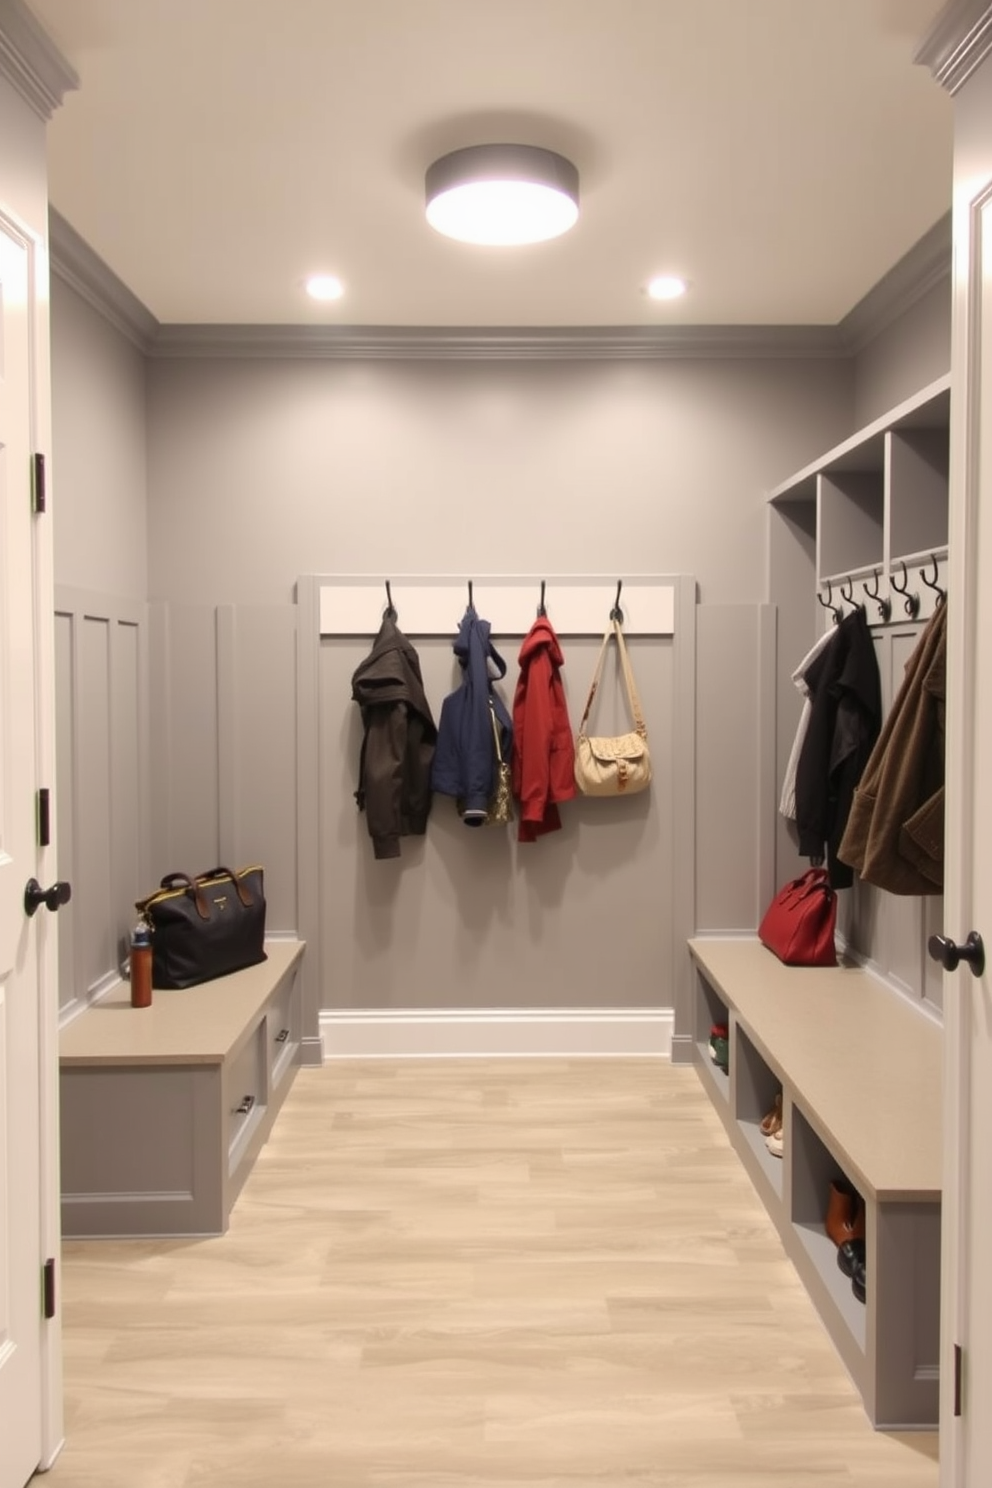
(398, 747)
(846, 716)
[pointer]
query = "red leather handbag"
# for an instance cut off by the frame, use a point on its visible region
(799, 923)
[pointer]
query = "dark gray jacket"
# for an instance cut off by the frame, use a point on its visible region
(394, 773)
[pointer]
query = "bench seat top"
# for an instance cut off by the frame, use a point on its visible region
(864, 1065)
(193, 1025)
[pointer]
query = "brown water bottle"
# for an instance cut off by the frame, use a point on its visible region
(141, 965)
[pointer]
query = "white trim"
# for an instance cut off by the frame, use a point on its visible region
(433, 1033)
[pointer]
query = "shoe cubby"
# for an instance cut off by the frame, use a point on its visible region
(814, 1168)
(755, 1088)
(849, 1117)
(709, 1009)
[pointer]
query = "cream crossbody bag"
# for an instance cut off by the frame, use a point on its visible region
(619, 766)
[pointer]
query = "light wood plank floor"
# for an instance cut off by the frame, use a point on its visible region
(450, 1274)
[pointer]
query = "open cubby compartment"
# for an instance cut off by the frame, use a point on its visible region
(710, 1009)
(755, 1088)
(851, 513)
(918, 484)
(813, 1169)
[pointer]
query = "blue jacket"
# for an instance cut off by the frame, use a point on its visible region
(465, 756)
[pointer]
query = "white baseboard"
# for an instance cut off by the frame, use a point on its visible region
(432, 1033)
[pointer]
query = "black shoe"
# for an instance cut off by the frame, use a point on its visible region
(859, 1280)
(850, 1255)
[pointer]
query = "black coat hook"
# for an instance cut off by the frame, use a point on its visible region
(828, 603)
(932, 583)
(471, 603)
(884, 605)
(540, 609)
(617, 613)
(390, 607)
(912, 601)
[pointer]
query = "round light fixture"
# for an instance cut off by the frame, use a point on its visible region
(502, 194)
(667, 287)
(324, 287)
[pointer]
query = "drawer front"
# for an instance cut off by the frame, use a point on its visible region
(245, 1092)
(283, 1020)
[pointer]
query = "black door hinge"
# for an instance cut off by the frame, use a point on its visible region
(48, 1286)
(38, 482)
(958, 1368)
(44, 817)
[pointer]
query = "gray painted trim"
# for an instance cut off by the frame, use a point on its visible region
(308, 814)
(31, 61)
(926, 264)
(683, 812)
(497, 343)
(76, 264)
(957, 43)
(767, 761)
(225, 635)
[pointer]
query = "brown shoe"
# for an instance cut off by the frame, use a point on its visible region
(845, 1213)
(772, 1120)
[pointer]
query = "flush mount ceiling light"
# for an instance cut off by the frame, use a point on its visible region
(502, 194)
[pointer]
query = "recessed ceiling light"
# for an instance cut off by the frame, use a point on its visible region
(502, 195)
(324, 287)
(667, 287)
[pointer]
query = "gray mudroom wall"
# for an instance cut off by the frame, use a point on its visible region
(99, 504)
(265, 472)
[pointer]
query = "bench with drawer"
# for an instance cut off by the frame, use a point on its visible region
(164, 1109)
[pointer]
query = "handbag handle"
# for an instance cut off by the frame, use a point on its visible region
(192, 887)
(633, 697)
(239, 888)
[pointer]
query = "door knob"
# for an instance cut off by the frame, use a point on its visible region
(949, 954)
(35, 896)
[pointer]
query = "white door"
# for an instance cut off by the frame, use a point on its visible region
(21, 1321)
(966, 1309)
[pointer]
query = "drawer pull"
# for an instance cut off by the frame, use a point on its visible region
(245, 1106)
(282, 1036)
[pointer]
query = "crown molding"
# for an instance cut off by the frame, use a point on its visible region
(916, 273)
(31, 61)
(496, 343)
(958, 41)
(75, 263)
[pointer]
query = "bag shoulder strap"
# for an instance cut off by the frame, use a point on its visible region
(633, 697)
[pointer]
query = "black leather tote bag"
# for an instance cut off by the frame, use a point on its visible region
(207, 926)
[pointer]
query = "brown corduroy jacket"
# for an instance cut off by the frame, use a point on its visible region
(895, 832)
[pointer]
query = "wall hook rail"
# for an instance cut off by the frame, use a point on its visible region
(911, 601)
(884, 605)
(617, 613)
(932, 583)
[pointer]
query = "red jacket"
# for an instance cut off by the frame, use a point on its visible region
(543, 748)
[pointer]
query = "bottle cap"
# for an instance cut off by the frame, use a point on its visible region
(141, 935)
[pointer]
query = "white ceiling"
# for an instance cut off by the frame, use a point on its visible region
(781, 154)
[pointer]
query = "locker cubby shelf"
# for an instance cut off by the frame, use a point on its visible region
(816, 1035)
(876, 500)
